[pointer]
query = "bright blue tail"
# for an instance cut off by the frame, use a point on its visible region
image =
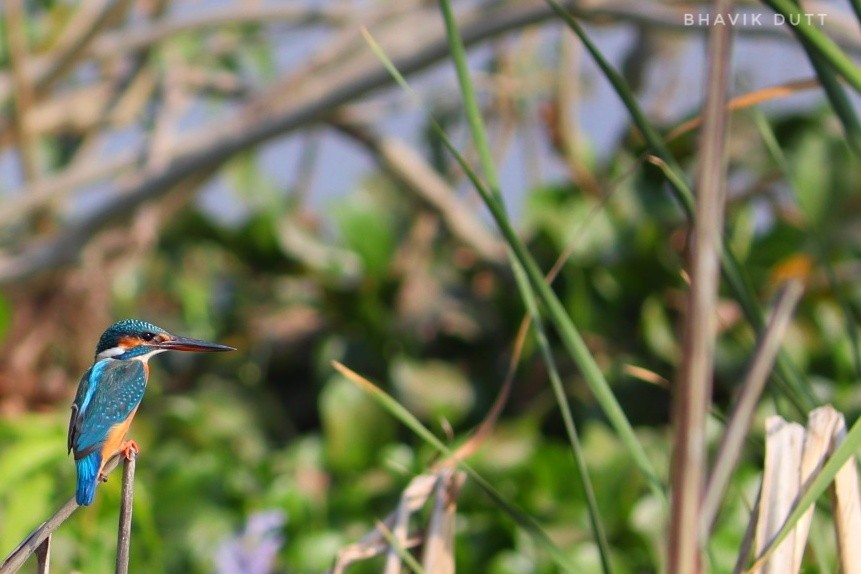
(88, 470)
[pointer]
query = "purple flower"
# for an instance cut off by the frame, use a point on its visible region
(253, 551)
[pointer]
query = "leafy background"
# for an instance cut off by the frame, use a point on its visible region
(225, 172)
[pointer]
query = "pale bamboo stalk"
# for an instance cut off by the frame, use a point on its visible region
(781, 482)
(847, 511)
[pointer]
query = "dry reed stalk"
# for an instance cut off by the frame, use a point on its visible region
(693, 390)
(793, 457)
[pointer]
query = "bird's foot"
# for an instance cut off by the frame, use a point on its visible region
(128, 447)
(103, 477)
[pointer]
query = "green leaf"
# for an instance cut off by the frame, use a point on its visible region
(432, 389)
(657, 330)
(365, 229)
(812, 181)
(353, 427)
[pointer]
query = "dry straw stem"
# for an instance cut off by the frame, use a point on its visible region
(793, 457)
(693, 391)
(392, 536)
(781, 483)
(742, 414)
(847, 511)
(443, 482)
(438, 557)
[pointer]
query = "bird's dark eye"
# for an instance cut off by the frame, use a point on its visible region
(147, 336)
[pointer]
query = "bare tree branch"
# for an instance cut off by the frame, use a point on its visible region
(23, 94)
(273, 113)
(81, 40)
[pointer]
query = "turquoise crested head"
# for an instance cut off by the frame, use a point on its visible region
(134, 338)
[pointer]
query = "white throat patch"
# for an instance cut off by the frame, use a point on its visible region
(109, 353)
(117, 351)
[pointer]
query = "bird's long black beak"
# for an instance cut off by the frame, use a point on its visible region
(193, 345)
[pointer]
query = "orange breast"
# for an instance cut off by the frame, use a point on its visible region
(116, 437)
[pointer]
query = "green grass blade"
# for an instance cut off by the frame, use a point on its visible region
(479, 136)
(402, 552)
(526, 522)
(570, 429)
(818, 41)
(789, 381)
(568, 333)
(473, 113)
(836, 96)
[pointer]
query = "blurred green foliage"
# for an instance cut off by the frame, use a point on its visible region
(220, 446)
(271, 427)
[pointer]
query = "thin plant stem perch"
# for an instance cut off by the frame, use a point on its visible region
(124, 534)
(38, 540)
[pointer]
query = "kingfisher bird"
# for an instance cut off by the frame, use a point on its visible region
(110, 392)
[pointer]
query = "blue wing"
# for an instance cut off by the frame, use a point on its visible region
(107, 395)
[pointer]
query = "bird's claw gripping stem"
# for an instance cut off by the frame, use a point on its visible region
(128, 447)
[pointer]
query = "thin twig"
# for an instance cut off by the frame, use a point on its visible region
(124, 534)
(82, 27)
